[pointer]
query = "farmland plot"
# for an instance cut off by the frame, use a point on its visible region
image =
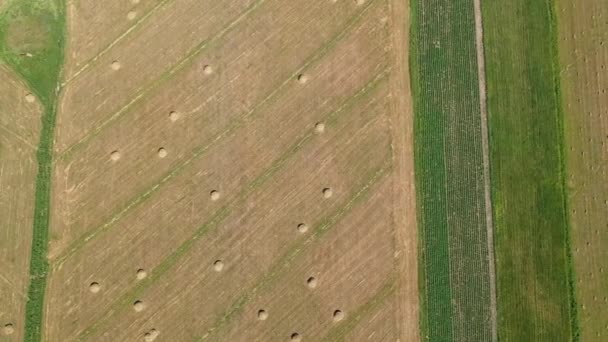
(31, 46)
(248, 179)
(583, 38)
(534, 275)
(456, 280)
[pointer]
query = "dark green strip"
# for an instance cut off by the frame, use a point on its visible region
(454, 263)
(36, 27)
(435, 294)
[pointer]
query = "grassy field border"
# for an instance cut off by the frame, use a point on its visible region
(41, 73)
(574, 317)
(546, 176)
(415, 88)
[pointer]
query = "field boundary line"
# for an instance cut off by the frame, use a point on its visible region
(235, 124)
(575, 325)
(485, 142)
(403, 213)
(117, 40)
(222, 213)
(292, 253)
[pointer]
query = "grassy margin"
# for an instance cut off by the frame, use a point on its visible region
(530, 198)
(415, 88)
(453, 260)
(574, 318)
(41, 72)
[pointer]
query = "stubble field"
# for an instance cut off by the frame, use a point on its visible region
(18, 138)
(232, 171)
(584, 56)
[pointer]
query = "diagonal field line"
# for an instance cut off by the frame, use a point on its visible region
(283, 264)
(223, 213)
(19, 137)
(483, 108)
(165, 76)
(235, 124)
(115, 41)
(13, 287)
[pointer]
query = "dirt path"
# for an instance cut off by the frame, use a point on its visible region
(404, 202)
(481, 75)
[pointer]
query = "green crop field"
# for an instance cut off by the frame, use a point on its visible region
(534, 277)
(455, 279)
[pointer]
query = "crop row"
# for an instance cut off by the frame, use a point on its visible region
(455, 280)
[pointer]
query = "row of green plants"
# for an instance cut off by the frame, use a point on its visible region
(535, 278)
(454, 263)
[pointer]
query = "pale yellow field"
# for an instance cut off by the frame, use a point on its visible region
(229, 171)
(584, 58)
(95, 26)
(19, 130)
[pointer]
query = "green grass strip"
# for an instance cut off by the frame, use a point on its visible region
(534, 268)
(31, 42)
(574, 316)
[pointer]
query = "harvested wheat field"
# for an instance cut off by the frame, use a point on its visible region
(584, 36)
(211, 171)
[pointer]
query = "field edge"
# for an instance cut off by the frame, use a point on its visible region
(41, 73)
(404, 197)
(574, 317)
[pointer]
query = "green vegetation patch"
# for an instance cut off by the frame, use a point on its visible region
(454, 261)
(31, 42)
(534, 283)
